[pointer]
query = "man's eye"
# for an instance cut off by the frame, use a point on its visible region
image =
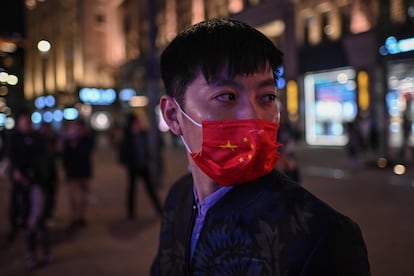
(226, 97)
(269, 98)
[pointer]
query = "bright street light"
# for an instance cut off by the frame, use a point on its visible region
(43, 46)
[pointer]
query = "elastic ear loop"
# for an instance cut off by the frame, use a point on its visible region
(191, 120)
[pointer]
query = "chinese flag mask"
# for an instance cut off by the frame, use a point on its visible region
(236, 151)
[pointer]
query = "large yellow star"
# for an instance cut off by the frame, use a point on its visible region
(229, 146)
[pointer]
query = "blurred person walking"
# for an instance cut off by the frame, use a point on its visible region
(77, 151)
(51, 181)
(28, 171)
(288, 163)
(134, 155)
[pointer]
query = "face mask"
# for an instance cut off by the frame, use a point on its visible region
(236, 151)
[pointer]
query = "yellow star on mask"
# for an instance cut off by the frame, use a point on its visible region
(241, 159)
(245, 140)
(229, 146)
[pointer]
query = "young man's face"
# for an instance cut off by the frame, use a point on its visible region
(243, 97)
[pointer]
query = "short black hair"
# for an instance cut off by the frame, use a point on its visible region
(212, 45)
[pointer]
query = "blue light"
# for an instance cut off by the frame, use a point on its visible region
(97, 96)
(393, 46)
(58, 115)
(50, 101)
(3, 119)
(36, 117)
(40, 103)
(70, 113)
(126, 94)
(281, 83)
(48, 116)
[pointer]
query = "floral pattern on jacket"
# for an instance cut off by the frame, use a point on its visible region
(267, 227)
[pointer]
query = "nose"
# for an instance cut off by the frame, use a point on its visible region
(250, 109)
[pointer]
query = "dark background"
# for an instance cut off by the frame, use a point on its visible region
(11, 17)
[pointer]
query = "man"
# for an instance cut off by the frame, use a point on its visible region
(235, 214)
(28, 171)
(135, 156)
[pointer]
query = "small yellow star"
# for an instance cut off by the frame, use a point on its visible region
(241, 159)
(251, 146)
(245, 139)
(250, 156)
(229, 146)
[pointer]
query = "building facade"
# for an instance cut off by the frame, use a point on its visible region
(334, 69)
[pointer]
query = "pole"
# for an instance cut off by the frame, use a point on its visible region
(43, 74)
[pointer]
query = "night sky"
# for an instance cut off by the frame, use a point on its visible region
(11, 17)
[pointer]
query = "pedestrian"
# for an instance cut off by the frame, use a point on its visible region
(77, 152)
(135, 156)
(28, 171)
(235, 214)
(354, 146)
(50, 155)
(288, 163)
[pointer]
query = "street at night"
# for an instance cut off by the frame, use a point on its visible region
(380, 201)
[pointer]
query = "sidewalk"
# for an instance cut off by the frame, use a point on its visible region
(380, 201)
(110, 244)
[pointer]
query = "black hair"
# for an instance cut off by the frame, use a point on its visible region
(211, 46)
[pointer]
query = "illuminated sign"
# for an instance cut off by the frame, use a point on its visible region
(97, 96)
(393, 46)
(330, 101)
(44, 102)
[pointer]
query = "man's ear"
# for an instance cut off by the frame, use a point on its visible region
(169, 111)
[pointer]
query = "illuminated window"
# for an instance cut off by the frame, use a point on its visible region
(362, 16)
(235, 6)
(397, 11)
(198, 11)
(171, 20)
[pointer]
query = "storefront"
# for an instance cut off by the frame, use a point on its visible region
(330, 101)
(399, 63)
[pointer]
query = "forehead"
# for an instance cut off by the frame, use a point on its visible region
(228, 71)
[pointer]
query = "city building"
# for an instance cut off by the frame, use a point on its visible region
(345, 60)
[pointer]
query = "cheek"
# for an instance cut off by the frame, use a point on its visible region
(194, 137)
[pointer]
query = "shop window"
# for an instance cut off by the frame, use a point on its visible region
(397, 11)
(235, 6)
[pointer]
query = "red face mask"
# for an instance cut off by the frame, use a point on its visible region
(236, 151)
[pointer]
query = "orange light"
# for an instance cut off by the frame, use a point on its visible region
(363, 90)
(292, 98)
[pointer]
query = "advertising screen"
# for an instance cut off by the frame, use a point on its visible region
(330, 102)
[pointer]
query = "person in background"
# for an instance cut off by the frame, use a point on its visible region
(51, 181)
(28, 171)
(134, 155)
(235, 214)
(77, 152)
(288, 163)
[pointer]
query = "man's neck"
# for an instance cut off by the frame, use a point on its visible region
(204, 185)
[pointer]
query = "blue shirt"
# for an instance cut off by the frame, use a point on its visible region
(202, 209)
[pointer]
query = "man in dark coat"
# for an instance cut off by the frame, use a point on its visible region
(235, 214)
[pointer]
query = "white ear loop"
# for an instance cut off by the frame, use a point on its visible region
(186, 115)
(191, 120)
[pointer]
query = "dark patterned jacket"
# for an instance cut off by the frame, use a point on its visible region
(271, 226)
